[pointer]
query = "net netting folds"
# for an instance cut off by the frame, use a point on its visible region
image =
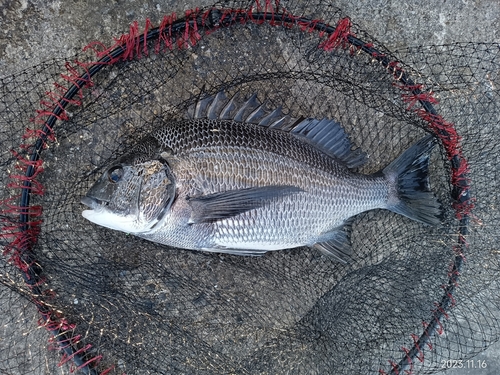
(413, 298)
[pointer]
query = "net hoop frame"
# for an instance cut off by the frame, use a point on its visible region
(23, 227)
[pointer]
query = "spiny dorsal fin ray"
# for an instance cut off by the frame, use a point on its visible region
(249, 111)
(257, 114)
(246, 109)
(217, 105)
(284, 123)
(272, 117)
(327, 135)
(200, 110)
(228, 109)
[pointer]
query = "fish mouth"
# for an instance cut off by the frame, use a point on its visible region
(93, 203)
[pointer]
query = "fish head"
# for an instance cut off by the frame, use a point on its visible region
(131, 196)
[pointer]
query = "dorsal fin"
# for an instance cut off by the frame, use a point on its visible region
(329, 136)
(250, 111)
(246, 109)
(215, 108)
(326, 135)
(200, 111)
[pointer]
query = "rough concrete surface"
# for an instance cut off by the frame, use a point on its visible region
(34, 31)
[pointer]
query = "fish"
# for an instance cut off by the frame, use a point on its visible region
(236, 177)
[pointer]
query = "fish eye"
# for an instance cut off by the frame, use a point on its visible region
(115, 174)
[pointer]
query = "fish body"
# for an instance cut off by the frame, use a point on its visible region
(238, 179)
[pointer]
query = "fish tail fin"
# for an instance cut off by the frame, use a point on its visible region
(410, 194)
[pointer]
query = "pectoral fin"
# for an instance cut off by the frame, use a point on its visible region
(218, 206)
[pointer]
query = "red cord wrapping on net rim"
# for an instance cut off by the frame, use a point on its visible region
(182, 34)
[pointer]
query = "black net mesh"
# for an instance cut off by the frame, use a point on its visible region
(113, 303)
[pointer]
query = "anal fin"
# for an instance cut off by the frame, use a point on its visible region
(338, 246)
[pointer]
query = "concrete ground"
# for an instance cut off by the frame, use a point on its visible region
(34, 30)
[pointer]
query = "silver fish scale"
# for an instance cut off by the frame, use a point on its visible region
(210, 156)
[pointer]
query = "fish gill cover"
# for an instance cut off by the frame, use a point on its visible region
(112, 303)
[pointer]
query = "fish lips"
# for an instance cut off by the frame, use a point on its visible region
(92, 203)
(100, 215)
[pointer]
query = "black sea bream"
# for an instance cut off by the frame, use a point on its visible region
(238, 179)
